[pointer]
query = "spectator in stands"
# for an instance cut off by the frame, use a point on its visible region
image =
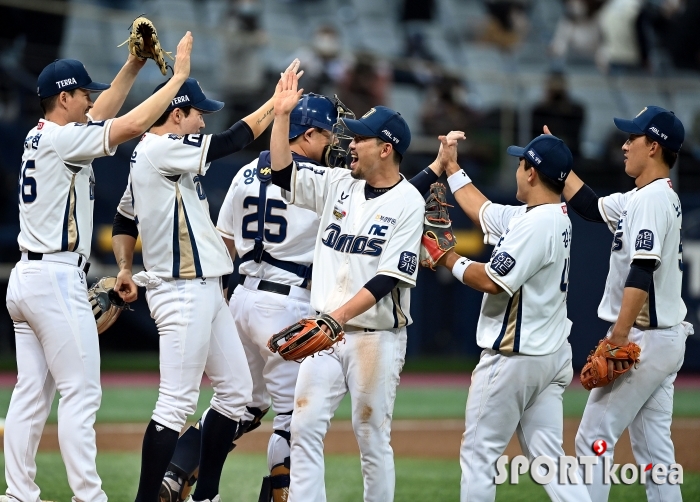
(577, 32)
(675, 23)
(243, 73)
(419, 65)
(561, 113)
(322, 61)
(365, 84)
(507, 23)
(620, 49)
(444, 108)
(416, 17)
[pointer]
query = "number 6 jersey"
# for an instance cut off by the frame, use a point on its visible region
(56, 185)
(166, 199)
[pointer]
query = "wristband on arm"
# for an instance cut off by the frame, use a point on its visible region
(460, 267)
(458, 180)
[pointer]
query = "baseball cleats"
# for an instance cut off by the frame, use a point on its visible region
(215, 499)
(170, 488)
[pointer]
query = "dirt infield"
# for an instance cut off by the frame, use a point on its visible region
(410, 438)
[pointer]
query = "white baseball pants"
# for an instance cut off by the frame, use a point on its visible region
(259, 315)
(641, 399)
(368, 366)
(515, 393)
(57, 349)
(197, 334)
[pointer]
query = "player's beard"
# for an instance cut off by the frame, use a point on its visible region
(357, 173)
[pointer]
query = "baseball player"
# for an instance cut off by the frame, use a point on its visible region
(518, 384)
(365, 260)
(55, 332)
(273, 290)
(642, 299)
(185, 258)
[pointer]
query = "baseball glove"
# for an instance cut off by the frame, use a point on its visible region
(143, 43)
(600, 369)
(438, 237)
(306, 338)
(106, 303)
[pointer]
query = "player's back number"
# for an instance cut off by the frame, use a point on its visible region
(250, 221)
(27, 184)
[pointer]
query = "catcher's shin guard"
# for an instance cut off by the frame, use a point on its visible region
(275, 487)
(183, 468)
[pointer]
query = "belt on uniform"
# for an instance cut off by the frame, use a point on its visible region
(80, 261)
(349, 329)
(272, 287)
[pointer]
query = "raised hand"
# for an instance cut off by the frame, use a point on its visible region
(293, 68)
(448, 148)
(182, 57)
(286, 93)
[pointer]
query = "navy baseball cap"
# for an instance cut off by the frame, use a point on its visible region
(659, 124)
(191, 94)
(548, 154)
(383, 123)
(65, 75)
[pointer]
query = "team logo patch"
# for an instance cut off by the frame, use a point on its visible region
(645, 240)
(176, 137)
(40, 126)
(502, 263)
(408, 262)
(339, 213)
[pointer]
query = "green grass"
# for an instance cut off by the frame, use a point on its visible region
(148, 361)
(135, 404)
(416, 479)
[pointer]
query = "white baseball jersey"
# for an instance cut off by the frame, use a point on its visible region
(531, 263)
(358, 239)
(57, 185)
(646, 224)
(166, 199)
(289, 231)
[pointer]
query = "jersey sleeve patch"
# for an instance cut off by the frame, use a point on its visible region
(408, 262)
(502, 263)
(645, 240)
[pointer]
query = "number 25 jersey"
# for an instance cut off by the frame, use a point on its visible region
(56, 185)
(289, 231)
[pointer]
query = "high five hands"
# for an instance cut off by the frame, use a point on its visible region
(287, 93)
